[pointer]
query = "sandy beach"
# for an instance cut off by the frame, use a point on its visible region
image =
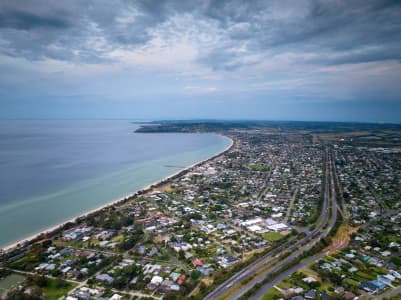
(145, 189)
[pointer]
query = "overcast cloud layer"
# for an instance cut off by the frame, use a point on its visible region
(303, 60)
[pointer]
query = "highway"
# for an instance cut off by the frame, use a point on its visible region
(263, 290)
(275, 256)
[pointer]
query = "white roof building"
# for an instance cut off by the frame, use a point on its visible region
(254, 228)
(156, 280)
(278, 227)
(251, 222)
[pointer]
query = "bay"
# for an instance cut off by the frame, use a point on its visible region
(52, 171)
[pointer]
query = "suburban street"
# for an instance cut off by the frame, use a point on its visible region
(267, 260)
(259, 294)
(250, 223)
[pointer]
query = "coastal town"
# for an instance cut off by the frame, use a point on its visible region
(284, 213)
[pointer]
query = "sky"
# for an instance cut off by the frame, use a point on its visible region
(270, 60)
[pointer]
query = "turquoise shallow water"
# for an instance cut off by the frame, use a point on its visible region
(52, 171)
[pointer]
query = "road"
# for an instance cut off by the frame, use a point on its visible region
(267, 260)
(294, 196)
(267, 178)
(248, 270)
(47, 276)
(263, 290)
(389, 293)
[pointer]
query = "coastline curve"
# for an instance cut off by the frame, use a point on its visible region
(52, 229)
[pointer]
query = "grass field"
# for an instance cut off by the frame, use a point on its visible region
(52, 292)
(272, 236)
(10, 281)
(272, 294)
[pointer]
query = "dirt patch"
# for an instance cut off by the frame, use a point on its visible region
(342, 238)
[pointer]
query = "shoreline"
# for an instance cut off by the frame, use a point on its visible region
(48, 231)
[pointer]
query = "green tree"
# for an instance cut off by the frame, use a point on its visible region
(195, 274)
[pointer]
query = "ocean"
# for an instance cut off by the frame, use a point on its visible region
(52, 171)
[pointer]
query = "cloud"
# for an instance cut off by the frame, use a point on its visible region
(26, 21)
(73, 30)
(200, 90)
(333, 30)
(274, 49)
(89, 31)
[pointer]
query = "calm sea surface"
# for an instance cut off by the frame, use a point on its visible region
(51, 171)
